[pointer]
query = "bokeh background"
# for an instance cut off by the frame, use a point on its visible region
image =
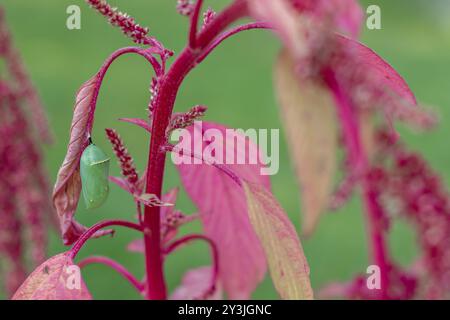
(236, 84)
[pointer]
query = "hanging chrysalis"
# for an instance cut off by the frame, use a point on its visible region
(94, 170)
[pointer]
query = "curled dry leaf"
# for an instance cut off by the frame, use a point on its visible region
(196, 285)
(311, 127)
(58, 278)
(287, 262)
(152, 200)
(66, 193)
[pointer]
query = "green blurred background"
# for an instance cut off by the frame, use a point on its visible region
(236, 84)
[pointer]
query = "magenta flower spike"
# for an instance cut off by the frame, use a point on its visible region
(25, 209)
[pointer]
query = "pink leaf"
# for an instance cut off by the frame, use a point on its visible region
(373, 82)
(345, 15)
(287, 262)
(139, 122)
(68, 184)
(310, 122)
(121, 183)
(196, 285)
(58, 278)
(366, 60)
(223, 211)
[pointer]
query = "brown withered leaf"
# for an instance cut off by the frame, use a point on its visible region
(67, 189)
(56, 279)
(310, 123)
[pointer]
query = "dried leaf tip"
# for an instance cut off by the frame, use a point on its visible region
(125, 160)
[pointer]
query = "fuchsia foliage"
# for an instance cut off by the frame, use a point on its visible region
(24, 197)
(245, 228)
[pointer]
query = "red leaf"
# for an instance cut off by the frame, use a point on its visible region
(371, 63)
(139, 122)
(58, 278)
(196, 285)
(121, 183)
(223, 211)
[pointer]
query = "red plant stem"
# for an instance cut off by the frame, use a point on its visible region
(194, 24)
(215, 253)
(227, 34)
(359, 160)
(96, 227)
(105, 67)
(116, 266)
(169, 85)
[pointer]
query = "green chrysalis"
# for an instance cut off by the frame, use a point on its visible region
(94, 170)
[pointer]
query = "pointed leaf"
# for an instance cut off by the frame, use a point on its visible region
(287, 262)
(223, 210)
(380, 71)
(139, 122)
(121, 183)
(196, 285)
(311, 127)
(58, 278)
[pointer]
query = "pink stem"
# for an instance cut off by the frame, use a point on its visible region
(214, 252)
(228, 34)
(194, 24)
(96, 227)
(170, 83)
(359, 160)
(116, 266)
(102, 72)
